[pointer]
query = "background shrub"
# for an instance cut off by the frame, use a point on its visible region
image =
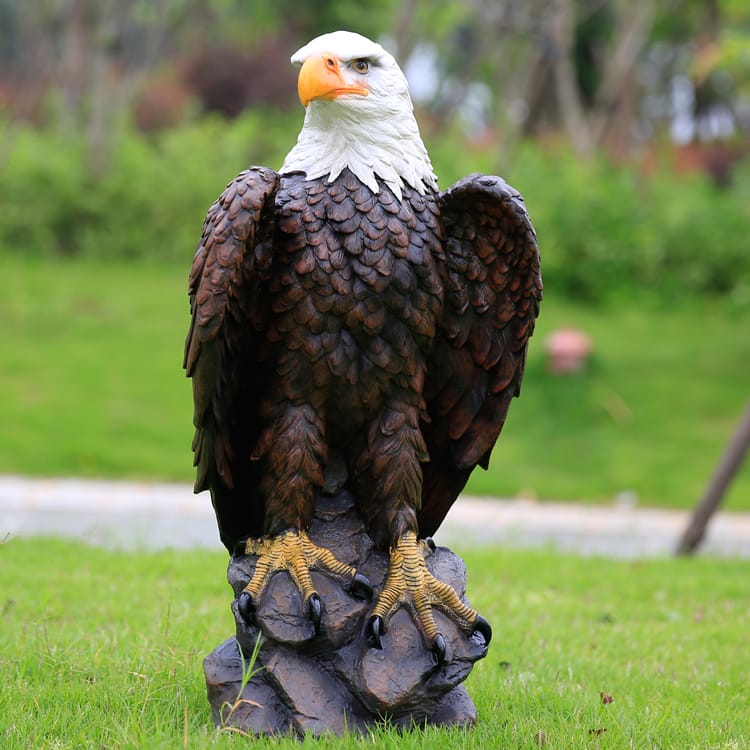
(607, 231)
(604, 229)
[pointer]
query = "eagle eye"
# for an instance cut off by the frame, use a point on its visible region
(361, 66)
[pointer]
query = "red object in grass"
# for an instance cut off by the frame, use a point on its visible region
(568, 350)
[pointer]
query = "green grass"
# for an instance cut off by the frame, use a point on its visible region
(92, 382)
(91, 385)
(651, 416)
(102, 649)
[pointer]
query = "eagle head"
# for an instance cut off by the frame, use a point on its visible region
(358, 115)
(344, 64)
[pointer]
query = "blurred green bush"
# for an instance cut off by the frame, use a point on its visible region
(150, 201)
(603, 229)
(607, 230)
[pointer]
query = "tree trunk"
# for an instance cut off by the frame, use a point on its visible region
(631, 35)
(562, 24)
(714, 494)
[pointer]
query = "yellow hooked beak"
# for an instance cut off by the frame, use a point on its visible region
(320, 78)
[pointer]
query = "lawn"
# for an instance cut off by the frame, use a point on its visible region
(102, 649)
(91, 385)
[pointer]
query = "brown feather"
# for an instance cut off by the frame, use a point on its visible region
(493, 290)
(230, 257)
(392, 330)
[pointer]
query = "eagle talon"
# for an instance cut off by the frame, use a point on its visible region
(375, 628)
(439, 649)
(246, 607)
(430, 542)
(360, 587)
(484, 629)
(294, 553)
(410, 583)
(315, 611)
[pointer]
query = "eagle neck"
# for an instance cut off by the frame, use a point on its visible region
(333, 138)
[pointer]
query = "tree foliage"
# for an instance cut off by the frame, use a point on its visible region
(604, 229)
(107, 117)
(586, 68)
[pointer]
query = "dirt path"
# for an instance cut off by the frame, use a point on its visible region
(143, 515)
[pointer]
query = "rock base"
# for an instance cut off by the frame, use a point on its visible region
(335, 681)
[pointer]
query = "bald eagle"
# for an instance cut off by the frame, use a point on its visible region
(348, 314)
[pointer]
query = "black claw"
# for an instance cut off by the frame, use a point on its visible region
(482, 627)
(315, 611)
(246, 607)
(430, 542)
(360, 587)
(375, 629)
(439, 649)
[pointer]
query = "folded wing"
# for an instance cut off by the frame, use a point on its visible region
(224, 350)
(493, 288)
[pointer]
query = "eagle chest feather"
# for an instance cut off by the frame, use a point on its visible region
(358, 291)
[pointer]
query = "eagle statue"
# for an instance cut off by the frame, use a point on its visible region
(354, 327)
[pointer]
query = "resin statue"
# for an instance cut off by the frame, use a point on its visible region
(355, 330)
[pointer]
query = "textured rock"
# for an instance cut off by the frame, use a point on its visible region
(258, 709)
(334, 681)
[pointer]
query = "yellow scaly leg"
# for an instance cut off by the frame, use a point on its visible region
(293, 552)
(409, 582)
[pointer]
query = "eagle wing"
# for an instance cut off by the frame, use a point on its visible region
(493, 288)
(224, 350)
